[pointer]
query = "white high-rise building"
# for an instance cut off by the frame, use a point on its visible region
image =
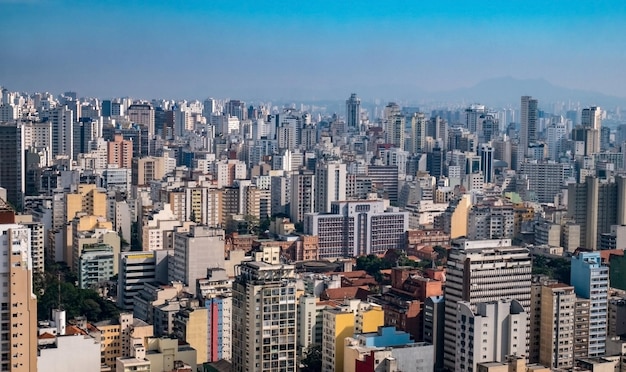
(489, 332)
(302, 195)
(591, 117)
(473, 117)
(556, 134)
(418, 132)
(590, 279)
(330, 179)
(483, 271)
(62, 120)
(395, 130)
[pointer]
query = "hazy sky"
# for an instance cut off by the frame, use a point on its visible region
(306, 49)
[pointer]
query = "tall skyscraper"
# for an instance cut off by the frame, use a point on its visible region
(473, 118)
(353, 111)
(302, 195)
(591, 117)
(556, 134)
(62, 120)
(528, 125)
(556, 338)
(330, 179)
(18, 347)
(483, 271)
(106, 108)
(143, 115)
(236, 108)
(590, 279)
(395, 130)
(597, 205)
(196, 251)
(486, 163)
(120, 152)
(419, 126)
(12, 163)
(589, 130)
(85, 130)
(264, 317)
(489, 331)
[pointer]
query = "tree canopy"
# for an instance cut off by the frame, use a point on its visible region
(312, 361)
(75, 301)
(553, 267)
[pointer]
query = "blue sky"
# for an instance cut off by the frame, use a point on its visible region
(307, 49)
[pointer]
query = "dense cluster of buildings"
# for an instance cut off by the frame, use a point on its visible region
(227, 235)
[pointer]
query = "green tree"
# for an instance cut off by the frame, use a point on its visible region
(372, 264)
(75, 301)
(312, 362)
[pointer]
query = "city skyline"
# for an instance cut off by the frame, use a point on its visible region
(321, 50)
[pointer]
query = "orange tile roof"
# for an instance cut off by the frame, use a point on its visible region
(605, 255)
(71, 330)
(46, 335)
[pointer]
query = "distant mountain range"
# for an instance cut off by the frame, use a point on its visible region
(495, 92)
(508, 90)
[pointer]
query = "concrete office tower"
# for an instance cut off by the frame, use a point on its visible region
(556, 337)
(483, 271)
(120, 152)
(491, 220)
(591, 117)
(545, 178)
(356, 228)
(395, 130)
(12, 163)
(385, 177)
(19, 304)
(264, 318)
(196, 251)
(419, 128)
(147, 169)
(486, 163)
(136, 269)
(473, 118)
(528, 126)
(142, 114)
(302, 195)
(556, 135)
(597, 205)
(489, 331)
(490, 128)
(434, 327)
(236, 108)
(330, 179)
(353, 111)
(209, 106)
(85, 131)
(437, 128)
(586, 141)
(590, 279)
(62, 120)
